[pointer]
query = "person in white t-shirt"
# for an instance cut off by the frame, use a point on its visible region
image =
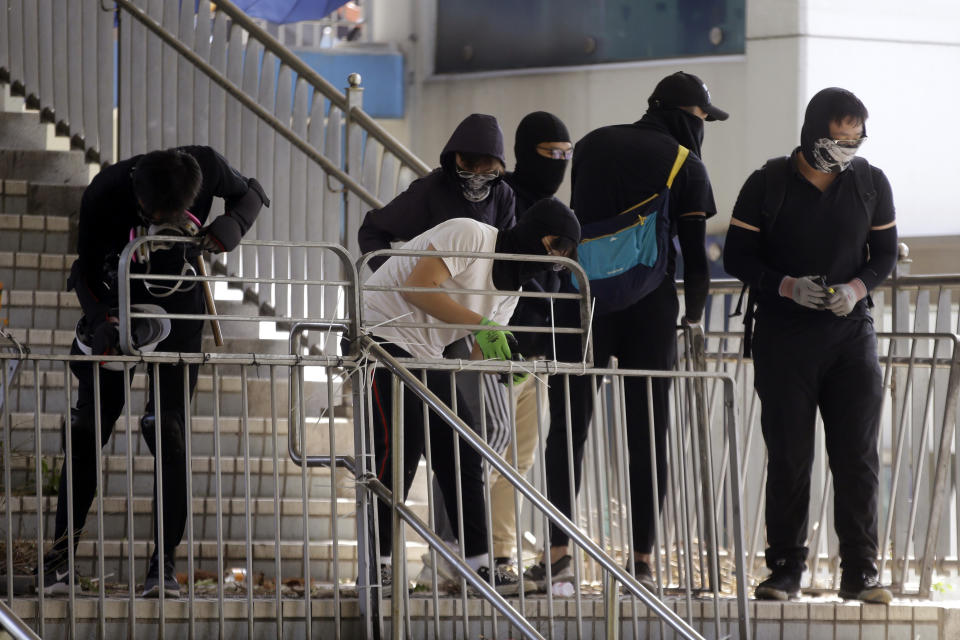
(549, 228)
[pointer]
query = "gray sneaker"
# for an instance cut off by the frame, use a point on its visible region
(560, 571)
(151, 586)
(506, 581)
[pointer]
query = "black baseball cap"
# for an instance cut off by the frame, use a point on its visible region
(684, 90)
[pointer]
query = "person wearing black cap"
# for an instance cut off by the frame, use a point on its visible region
(614, 168)
(550, 228)
(811, 235)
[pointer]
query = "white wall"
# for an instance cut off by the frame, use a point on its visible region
(901, 59)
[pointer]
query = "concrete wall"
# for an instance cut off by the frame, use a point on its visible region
(902, 64)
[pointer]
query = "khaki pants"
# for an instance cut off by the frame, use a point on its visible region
(501, 491)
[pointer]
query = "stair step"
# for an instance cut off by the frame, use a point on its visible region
(24, 130)
(264, 515)
(53, 395)
(33, 271)
(39, 233)
(42, 198)
(260, 432)
(61, 167)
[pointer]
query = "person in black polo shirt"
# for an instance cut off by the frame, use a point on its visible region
(811, 258)
(614, 168)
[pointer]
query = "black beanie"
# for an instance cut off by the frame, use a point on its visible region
(548, 217)
(539, 175)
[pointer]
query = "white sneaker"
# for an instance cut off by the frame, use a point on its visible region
(447, 576)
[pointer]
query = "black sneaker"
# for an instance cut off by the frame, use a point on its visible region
(56, 573)
(863, 585)
(561, 570)
(151, 586)
(506, 581)
(780, 585)
(644, 575)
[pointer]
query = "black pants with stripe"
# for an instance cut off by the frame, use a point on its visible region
(802, 362)
(441, 438)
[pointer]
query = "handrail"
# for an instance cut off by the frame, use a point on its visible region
(285, 131)
(319, 83)
(12, 624)
(521, 484)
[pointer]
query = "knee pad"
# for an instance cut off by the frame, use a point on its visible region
(172, 434)
(81, 432)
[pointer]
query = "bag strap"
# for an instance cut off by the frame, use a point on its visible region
(682, 153)
(774, 188)
(865, 189)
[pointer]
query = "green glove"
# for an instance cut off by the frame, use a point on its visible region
(493, 342)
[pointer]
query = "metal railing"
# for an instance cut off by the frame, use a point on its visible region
(189, 75)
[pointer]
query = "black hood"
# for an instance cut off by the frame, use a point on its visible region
(823, 107)
(478, 133)
(537, 175)
(686, 128)
(548, 217)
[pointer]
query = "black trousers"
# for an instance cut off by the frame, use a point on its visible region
(186, 336)
(441, 456)
(643, 336)
(800, 364)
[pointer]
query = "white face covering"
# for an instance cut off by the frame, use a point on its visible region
(830, 157)
(476, 186)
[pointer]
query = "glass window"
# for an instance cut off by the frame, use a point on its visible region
(506, 34)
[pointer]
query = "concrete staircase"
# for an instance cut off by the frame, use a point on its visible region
(41, 182)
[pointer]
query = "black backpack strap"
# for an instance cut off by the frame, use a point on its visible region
(774, 188)
(863, 175)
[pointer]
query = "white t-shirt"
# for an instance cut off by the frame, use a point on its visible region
(382, 307)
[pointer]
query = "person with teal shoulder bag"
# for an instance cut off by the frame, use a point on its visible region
(635, 188)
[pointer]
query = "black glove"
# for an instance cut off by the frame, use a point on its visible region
(515, 355)
(106, 339)
(223, 234)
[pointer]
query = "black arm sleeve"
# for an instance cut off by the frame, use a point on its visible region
(883, 257)
(883, 242)
(402, 218)
(691, 230)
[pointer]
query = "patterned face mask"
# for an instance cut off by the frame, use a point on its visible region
(476, 186)
(833, 156)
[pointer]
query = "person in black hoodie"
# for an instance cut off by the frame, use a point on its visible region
(614, 168)
(468, 184)
(173, 189)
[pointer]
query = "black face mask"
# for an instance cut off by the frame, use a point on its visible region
(685, 127)
(538, 175)
(548, 217)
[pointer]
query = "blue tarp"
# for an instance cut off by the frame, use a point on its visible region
(283, 11)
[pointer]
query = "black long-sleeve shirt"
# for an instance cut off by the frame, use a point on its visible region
(108, 213)
(618, 166)
(815, 233)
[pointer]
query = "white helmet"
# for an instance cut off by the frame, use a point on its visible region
(147, 333)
